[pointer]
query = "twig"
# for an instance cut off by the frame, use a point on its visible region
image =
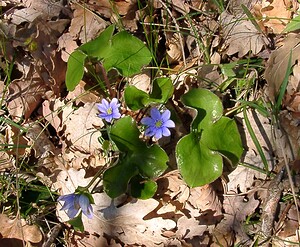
(55, 231)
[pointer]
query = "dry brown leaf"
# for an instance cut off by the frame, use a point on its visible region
(142, 81)
(39, 141)
(181, 6)
(34, 9)
(6, 160)
(241, 36)
(198, 210)
(18, 229)
(276, 13)
(206, 199)
(81, 128)
(278, 62)
(189, 228)
(289, 122)
(236, 208)
(82, 94)
(24, 96)
(67, 45)
(15, 137)
(85, 24)
(51, 112)
(174, 51)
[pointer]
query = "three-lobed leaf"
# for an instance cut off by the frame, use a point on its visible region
(121, 51)
(200, 154)
(136, 159)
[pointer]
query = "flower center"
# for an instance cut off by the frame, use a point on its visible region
(158, 123)
(109, 110)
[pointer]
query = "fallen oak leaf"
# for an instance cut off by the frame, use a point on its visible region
(241, 35)
(24, 96)
(81, 128)
(18, 229)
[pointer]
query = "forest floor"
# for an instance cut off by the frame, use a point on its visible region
(202, 184)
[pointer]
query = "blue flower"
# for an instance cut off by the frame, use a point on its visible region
(158, 123)
(74, 202)
(109, 111)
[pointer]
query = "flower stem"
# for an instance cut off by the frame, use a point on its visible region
(99, 172)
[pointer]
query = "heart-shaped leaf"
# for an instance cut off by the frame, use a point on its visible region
(136, 158)
(199, 154)
(122, 51)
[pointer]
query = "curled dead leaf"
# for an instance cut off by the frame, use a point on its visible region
(278, 62)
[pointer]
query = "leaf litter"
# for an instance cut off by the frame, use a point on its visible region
(62, 128)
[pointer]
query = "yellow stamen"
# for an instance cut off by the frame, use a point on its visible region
(109, 110)
(158, 123)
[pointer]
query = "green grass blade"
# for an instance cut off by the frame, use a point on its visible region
(255, 141)
(284, 84)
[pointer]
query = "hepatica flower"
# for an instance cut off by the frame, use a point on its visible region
(109, 110)
(158, 124)
(75, 202)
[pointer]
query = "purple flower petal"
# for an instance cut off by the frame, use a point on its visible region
(148, 121)
(155, 114)
(72, 212)
(116, 115)
(105, 103)
(86, 206)
(165, 116)
(109, 110)
(101, 108)
(166, 131)
(114, 103)
(74, 202)
(169, 124)
(157, 124)
(158, 134)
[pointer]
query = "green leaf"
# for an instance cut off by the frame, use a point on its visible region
(207, 104)
(293, 25)
(199, 154)
(75, 69)
(122, 51)
(116, 178)
(125, 135)
(198, 164)
(99, 46)
(127, 54)
(137, 99)
(77, 223)
(141, 188)
(227, 143)
(136, 158)
(162, 90)
(151, 161)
